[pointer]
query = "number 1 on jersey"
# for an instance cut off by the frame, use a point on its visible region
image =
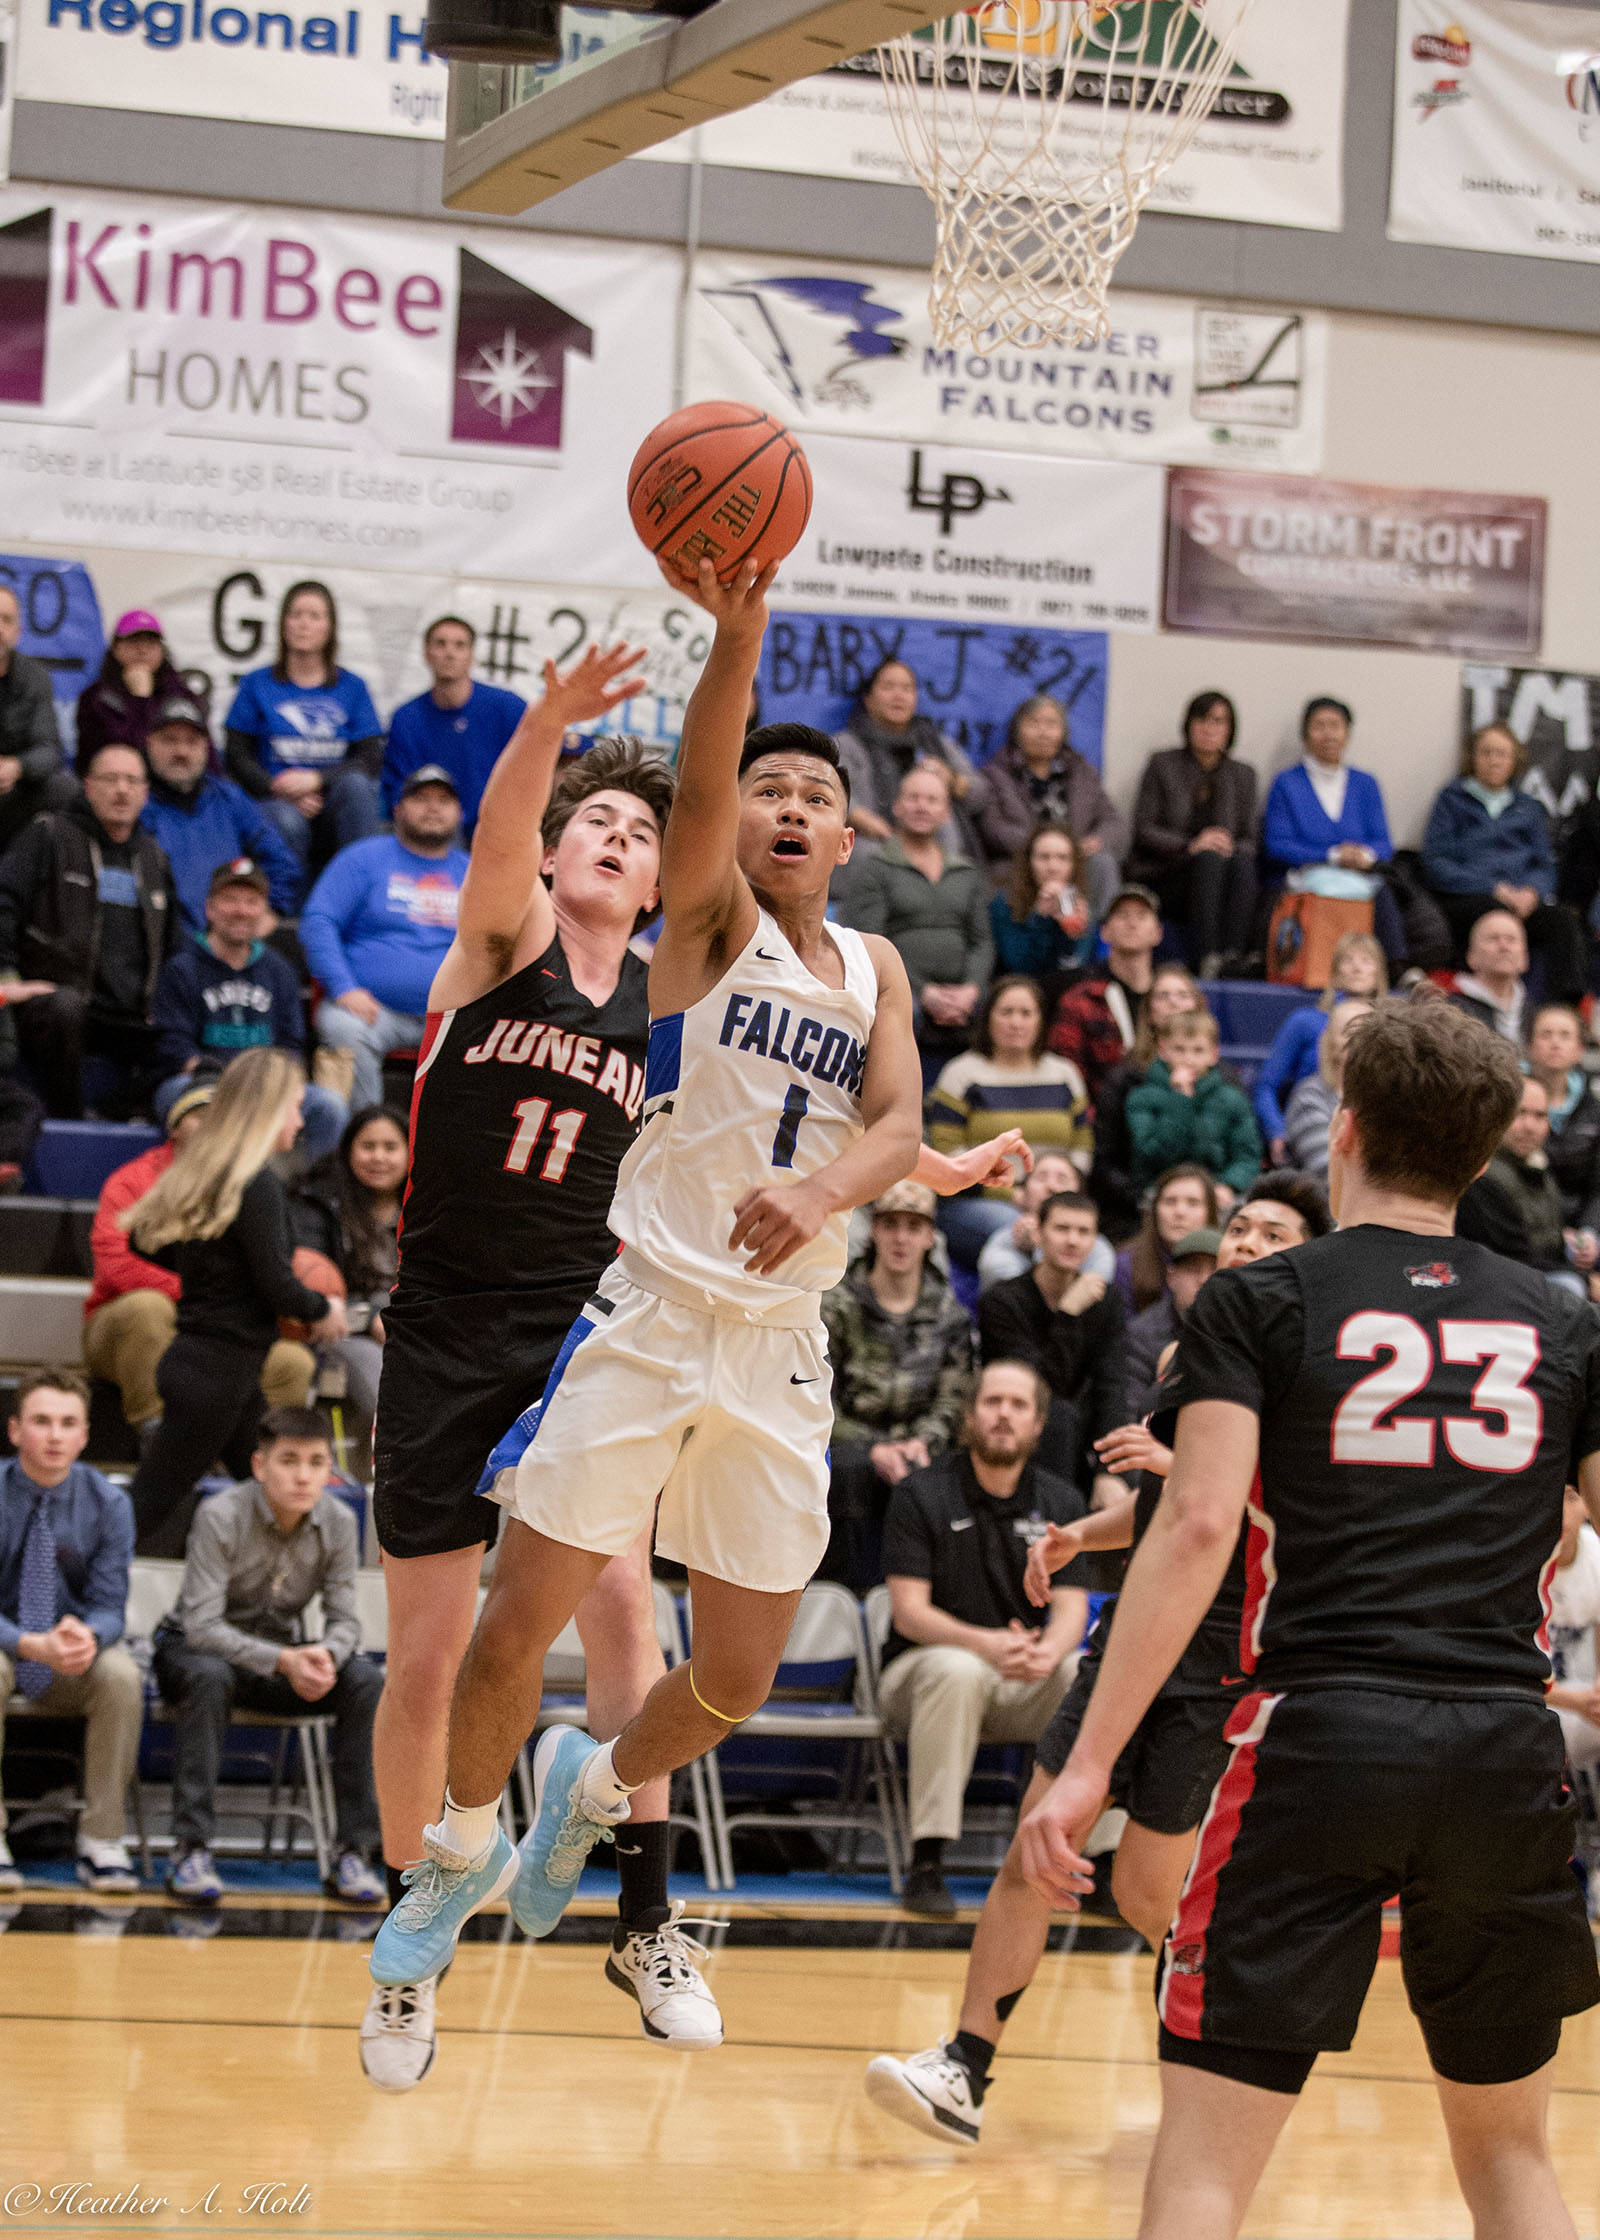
(795, 1106)
(565, 1130)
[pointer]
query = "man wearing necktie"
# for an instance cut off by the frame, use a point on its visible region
(66, 1540)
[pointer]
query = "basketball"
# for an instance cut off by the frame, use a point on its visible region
(318, 1273)
(720, 482)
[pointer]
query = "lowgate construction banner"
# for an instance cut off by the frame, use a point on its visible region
(231, 379)
(1270, 556)
(1497, 127)
(846, 349)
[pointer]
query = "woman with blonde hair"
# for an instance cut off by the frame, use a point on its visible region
(219, 1219)
(1357, 967)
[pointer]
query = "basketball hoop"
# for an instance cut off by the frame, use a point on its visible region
(1038, 130)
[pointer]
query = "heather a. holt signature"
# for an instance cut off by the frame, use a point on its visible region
(88, 2197)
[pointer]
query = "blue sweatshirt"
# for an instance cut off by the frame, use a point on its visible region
(300, 726)
(1297, 830)
(1294, 1052)
(204, 1008)
(1466, 851)
(466, 741)
(213, 825)
(381, 918)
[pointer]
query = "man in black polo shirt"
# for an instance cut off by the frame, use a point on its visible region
(970, 1659)
(1072, 1329)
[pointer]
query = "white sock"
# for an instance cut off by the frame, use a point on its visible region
(468, 1829)
(604, 1796)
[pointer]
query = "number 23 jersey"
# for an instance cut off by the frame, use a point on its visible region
(1423, 1402)
(757, 1083)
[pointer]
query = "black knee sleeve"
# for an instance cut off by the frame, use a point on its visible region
(1268, 2068)
(1491, 2056)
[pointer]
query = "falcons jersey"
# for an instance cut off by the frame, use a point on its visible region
(524, 1105)
(1422, 1403)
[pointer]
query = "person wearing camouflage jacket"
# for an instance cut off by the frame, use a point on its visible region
(901, 1345)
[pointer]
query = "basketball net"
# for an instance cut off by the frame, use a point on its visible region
(1039, 129)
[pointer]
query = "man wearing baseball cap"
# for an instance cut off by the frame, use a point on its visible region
(1190, 1261)
(378, 922)
(224, 990)
(1097, 1021)
(136, 675)
(203, 820)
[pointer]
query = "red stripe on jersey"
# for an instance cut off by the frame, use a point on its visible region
(1183, 1979)
(436, 1027)
(1260, 1575)
(1546, 1582)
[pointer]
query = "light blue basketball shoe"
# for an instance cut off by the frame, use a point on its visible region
(563, 1834)
(443, 1891)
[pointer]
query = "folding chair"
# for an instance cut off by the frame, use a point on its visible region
(824, 1693)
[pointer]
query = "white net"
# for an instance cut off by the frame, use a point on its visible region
(1039, 129)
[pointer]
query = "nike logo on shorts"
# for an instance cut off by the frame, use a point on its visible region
(802, 1380)
(767, 956)
(962, 1524)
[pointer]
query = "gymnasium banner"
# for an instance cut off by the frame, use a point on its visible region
(61, 621)
(1271, 556)
(1497, 128)
(1271, 153)
(1556, 715)
(238, 380)
(8, 81)
(978, 535)
(847, 350)
(971, 679)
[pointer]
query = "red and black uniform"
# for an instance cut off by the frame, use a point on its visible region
(525, 1102)
(1422, 1404)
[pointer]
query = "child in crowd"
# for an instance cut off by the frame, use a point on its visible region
(1185, 1109)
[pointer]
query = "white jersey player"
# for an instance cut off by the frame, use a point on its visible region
(782, 1089)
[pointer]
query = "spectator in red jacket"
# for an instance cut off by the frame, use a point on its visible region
(131, 1313)
(1097, 1022)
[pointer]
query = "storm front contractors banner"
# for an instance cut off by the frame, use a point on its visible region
(1497, 127)
(847, 350)
(1271, 556)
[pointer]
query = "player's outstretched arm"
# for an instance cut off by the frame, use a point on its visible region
(505, 905)
(983, 1163)
(707, 910)
(1171, 1584)
(774, 1222)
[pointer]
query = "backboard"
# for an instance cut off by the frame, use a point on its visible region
(517, 135)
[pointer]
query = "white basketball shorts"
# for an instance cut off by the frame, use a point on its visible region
(727, 1419)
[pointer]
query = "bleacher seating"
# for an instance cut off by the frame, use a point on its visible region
(72, 1158)
(1248, 1015)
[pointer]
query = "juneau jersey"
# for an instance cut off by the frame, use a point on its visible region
(524, 1104)
(1423, 1402)
(757, 1083)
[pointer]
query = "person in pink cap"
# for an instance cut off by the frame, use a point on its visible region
(136, 675)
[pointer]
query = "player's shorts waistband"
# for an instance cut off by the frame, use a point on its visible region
(795, 1310)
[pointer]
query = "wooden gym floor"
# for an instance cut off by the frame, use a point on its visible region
(175, 2064)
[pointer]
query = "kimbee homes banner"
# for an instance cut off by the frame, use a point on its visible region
(282, 384)
(1556, 715)
(978, 536)
(1270, 154)
(1270, 556)
(1497, 127)
(847, 349)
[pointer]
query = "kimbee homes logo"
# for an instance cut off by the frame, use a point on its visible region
(25, 306)
(511, 359)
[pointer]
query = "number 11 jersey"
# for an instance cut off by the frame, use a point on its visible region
(758, 1083)
(1423, 1402)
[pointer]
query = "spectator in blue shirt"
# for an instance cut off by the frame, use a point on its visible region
(1356, 968)
(225, 991)
(1324, 830)
(459, 725)
(303, 735)
(378, 923)
(202, 821)
(66, 1540)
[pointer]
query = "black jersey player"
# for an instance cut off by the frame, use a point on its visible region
(528, 1091)
(1397, 1411)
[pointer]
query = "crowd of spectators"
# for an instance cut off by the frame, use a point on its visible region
(238, 944)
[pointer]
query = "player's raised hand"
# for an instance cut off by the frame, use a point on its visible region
(600, 680)
(1051, 1838)
(1133, 1447)
(739, 607)
(1059, 1544)
(773, 1223)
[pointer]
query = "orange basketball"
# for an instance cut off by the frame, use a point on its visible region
(720, 482)
(318, 1273)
